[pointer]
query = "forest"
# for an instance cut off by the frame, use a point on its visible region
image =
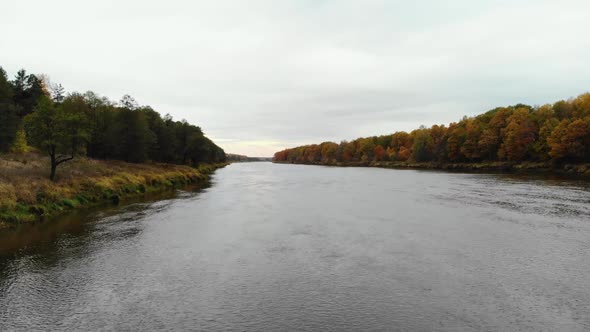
(553, 133)
(36, 114)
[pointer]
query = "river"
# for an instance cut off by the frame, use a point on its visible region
(271, 247)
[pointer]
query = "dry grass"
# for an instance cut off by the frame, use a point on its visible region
(27, 194)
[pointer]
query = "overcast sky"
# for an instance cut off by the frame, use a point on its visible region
(259, 76)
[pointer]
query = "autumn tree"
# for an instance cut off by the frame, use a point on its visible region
(545, 119)
(455, 138)
(401, 144)
(404, 154)
(438, 133)
(571, 140)
(470, 147)
(366, 149)
(348, 151)
(491, 136)
(556, 132)
(328, 152)
(383, 140)
(380, 153)
(20, 145)
(518, 136)
(581, 106)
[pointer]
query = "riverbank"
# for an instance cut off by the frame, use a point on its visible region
(27, 195)
(544, 167)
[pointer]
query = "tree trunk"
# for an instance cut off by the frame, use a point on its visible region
(53, 168)
(56, 160)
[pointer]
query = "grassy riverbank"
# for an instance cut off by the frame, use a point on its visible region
(546, 167)
(26, 194)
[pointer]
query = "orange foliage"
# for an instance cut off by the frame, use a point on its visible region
(517, 133)
(380, 153)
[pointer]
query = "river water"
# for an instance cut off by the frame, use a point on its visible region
(305, 248)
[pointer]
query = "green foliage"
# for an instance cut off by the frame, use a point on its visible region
(130, 136)
(5, 87)
(138, 133)
(77, 124)
(9, 124)
(9, 119)
(70, 203)
(27, 90)
(423, 145)
(58, 130)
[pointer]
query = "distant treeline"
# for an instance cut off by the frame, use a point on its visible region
(232, 157)
(242, 158)
(33, 113)
(549, 133)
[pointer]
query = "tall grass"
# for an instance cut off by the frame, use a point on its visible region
(26, 193)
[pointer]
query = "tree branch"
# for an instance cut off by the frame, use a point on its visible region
(63, 159)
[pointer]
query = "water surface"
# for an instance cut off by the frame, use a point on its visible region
(286, 247)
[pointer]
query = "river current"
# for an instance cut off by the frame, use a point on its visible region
(273, 247)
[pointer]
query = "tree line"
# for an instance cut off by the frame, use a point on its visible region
(32, 113)
(558, 132)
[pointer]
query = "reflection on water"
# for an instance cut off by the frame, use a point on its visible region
(76, 223)
(287, 247)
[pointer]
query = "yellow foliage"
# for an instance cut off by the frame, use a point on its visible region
(20, 142)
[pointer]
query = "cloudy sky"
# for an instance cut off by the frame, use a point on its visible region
(259, 76)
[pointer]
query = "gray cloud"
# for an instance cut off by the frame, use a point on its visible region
(259, 76)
